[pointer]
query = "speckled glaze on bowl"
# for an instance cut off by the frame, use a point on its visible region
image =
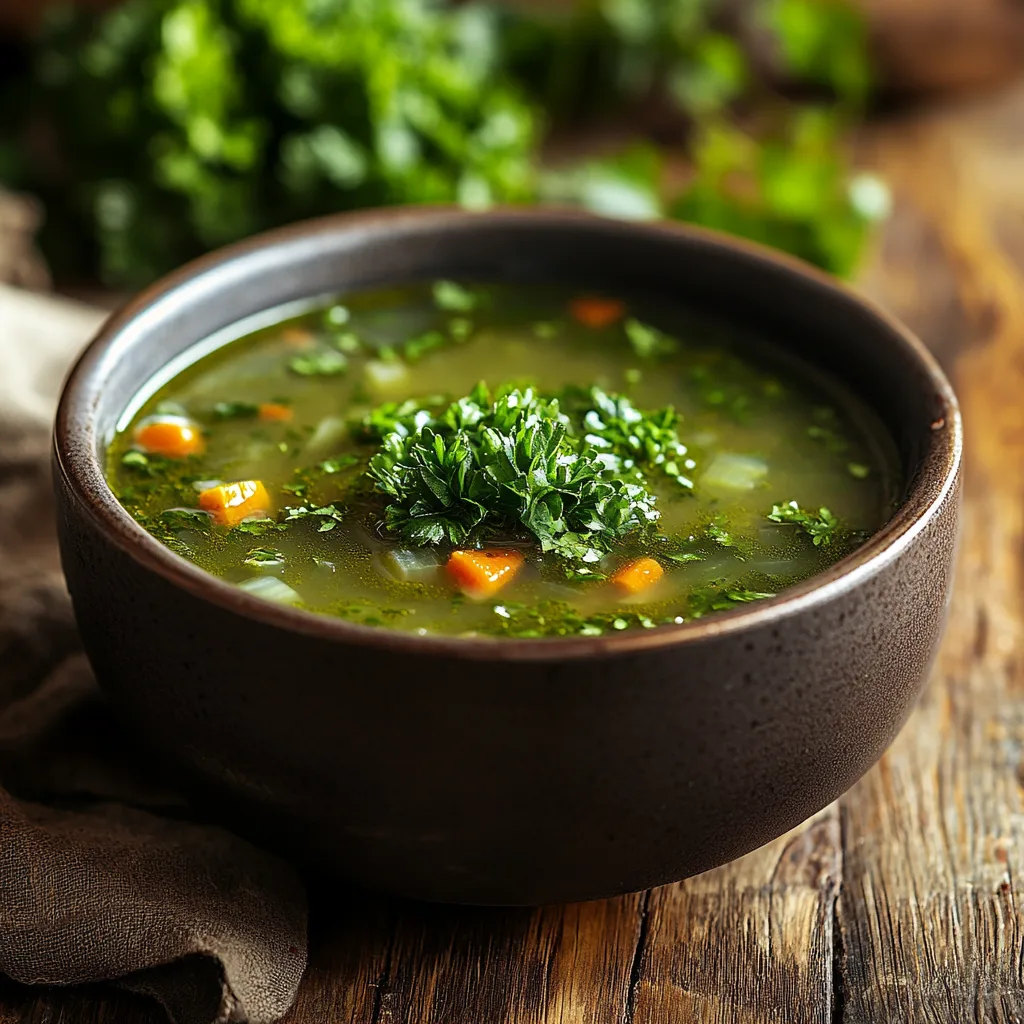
(513, 772)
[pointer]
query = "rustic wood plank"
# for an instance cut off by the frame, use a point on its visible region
(747, 943)
(400, 962)
(930, 918)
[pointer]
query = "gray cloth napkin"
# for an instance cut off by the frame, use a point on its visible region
(102, 875)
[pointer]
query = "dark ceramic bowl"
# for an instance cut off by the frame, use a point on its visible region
(494, 771)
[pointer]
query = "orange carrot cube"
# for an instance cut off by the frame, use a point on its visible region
(596, 312)
(297, 337)
(275, 412)
(230, 503)
(638, 575)
(481, 574)
(174, 437)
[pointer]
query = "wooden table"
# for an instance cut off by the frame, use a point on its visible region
(899, 903)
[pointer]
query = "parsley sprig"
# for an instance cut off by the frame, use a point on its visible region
(821, 526)
(505, 463)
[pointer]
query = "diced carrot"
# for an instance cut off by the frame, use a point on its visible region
(596, 312)
(638, 575)
(297, 337)
(174, 437)
(480, 574)
(275, 412)
(229, 504)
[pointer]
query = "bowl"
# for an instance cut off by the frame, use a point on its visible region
(489, 771)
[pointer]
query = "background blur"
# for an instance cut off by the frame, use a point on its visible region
(135, 135)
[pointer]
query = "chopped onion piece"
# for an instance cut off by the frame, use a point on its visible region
(734, 472)
(419, 566)
(385, 378)
(329, 432)
(270, 588)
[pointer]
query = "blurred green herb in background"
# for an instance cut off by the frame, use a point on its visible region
(167, 127)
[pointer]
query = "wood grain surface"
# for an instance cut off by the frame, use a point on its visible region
(898, 904)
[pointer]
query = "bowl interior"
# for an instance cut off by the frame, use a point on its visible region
(805, 312)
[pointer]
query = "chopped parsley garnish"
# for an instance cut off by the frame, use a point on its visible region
(235, 410)
(263, 556)
(630, 438)
(337, 464)
(858, 470)
(259, 527)
(648, 342)
(718, 597)
(186, 519)
(821, 526)
(454, 297)
(328, 363)
(504, 463)
(415, 348)
(329, 515)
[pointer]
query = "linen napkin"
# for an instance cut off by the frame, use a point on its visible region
(102, 875)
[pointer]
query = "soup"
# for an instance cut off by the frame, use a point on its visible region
(505, 460)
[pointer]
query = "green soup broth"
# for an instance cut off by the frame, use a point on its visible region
(778, 471)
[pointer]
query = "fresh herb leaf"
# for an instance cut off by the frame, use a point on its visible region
(506, 463)
(858, 470)
(337, 315)
(454, 297)
(329, 515)
(460, 327)
(821, 527)
(186, 519)
(337, 464)
(628, 438)
(830, 438)
(328, 363)
(416, 348)
(258, 557)
(398, 417)
(720, 536)
(648, 342)
(145, 464)
(259, 527)
(347, 342)
(235, 410)
(682, 557)
(717, 596)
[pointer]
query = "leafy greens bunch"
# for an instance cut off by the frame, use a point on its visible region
(178, 125)
(185, 124)
(515, 462)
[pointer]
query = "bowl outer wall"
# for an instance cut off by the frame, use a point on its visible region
(537, 771)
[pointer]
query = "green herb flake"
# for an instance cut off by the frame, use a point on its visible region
(451, 296)
(821, 527)
(328, 363)
(348, 342)
(830, 438)
(336, 465)
(259, 557)
(547, 329)
(235, 410)
(648, 342)
(259, 527)
(329, 515)
(858, 470)
(186, 519)
(416, 348)
(460, 328)
(682, 557)
(337, 316)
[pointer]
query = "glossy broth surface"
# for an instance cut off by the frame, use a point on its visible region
(760, 432)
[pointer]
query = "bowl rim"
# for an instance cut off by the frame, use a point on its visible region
(75, 443)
